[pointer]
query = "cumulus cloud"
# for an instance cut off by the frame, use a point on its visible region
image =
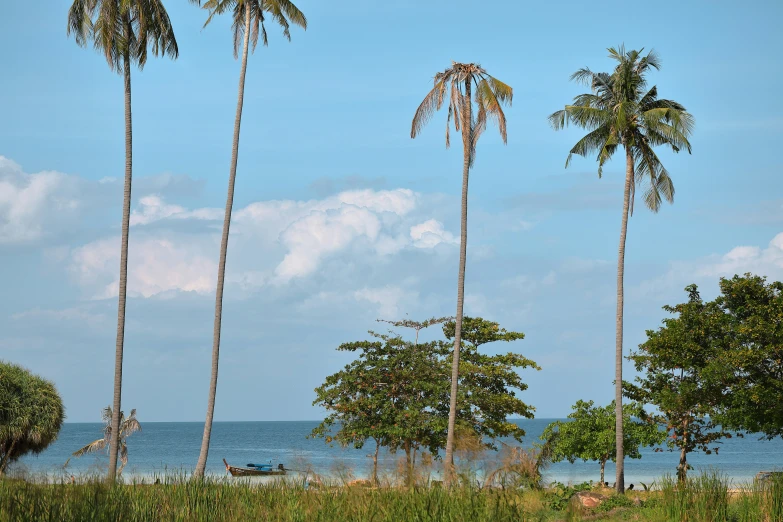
(272, 242)
(154, 208)
(155, 266)
(30, 203)
(766, 261)
(430, 234)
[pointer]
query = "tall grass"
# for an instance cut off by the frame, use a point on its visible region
(706, 498)
(213, 500)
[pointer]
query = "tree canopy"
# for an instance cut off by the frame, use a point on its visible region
(589, 434)
(678, 361)
(31, 413)
(621, 111)
(396, 392)
(750, 361)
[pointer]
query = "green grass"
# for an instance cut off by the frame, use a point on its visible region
(705, 498)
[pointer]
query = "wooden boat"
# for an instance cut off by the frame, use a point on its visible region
(254, 470)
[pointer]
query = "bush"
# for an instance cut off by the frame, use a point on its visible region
(31, 413)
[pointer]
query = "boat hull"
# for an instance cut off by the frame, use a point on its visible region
(250, 472)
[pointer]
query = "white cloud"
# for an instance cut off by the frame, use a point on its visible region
(29, 203)
(739, 260)
(430, 233)
(154, 208)
(272, 242)
(388, 298)
(321, 233)
(155, 266)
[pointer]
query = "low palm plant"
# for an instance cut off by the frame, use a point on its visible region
(127, 427)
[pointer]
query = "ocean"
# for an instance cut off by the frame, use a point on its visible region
(172, 447)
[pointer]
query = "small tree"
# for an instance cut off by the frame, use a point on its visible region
(397, 393)
(590, 434)
(31, 413)
(679, 378)
(389, 394)
(128, 426)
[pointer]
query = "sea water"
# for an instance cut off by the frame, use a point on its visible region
(173, 447)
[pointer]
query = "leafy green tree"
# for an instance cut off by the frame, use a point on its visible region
(389, 394)
(397, 393)
(248, 24)
(677, 362)
(457, 83)
(590, 434)
(128, 426)
(31, 413)
(621, 111)
(752, 366)
(124, 31)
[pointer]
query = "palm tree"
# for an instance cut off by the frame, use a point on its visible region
(248, 16)
(621, 111)
(457, 84)
(124, 31)
(127, 427)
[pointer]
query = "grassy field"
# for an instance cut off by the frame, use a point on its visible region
(706, 498)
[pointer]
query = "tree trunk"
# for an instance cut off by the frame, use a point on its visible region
(682, 467)
(603, 465)
(202, 458)
(618, 361)
(467, 136)
(408, 464)
(7, 454)
(126, 202)
(375, 480)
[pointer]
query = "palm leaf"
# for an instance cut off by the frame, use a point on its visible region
(92, 447)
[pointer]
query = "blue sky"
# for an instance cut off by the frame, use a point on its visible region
(341, 218)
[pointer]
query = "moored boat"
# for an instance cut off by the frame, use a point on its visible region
(254, 470)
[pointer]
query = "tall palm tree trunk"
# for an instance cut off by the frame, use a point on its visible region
(467, 136)
(202, 458)
(126, 202)
(618, 361)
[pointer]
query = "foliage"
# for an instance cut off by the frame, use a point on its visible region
(455, 83)
(220, 500)
(397, 393)
(620, 110)
(127, 428)
(486, 395)
(283, 12)
(123, 30)
(31, 413)
(590, 434)
(677, 360)
(750, 362)
(558, 494)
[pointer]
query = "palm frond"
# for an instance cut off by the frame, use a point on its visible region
(92, 447)
(427, 108)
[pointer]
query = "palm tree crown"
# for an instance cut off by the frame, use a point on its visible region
(620, 110)
(128, 426)
(284, 12)
(123, 29)
(456, 82)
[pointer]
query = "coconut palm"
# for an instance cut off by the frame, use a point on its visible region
(127, 428)
(621, 112)
(248, 24)
(456, 83)
(124, 31)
